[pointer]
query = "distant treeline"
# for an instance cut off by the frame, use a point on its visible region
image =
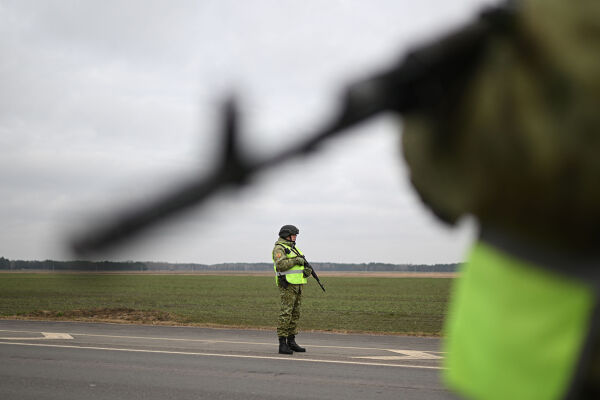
(115, 266)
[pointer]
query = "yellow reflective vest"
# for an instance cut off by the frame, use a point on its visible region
(294, 275)
(514, 329)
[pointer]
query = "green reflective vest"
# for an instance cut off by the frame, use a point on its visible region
(514, 330)
(295, 274)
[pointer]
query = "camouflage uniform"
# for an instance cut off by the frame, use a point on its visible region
(290, 296)
(291, 299)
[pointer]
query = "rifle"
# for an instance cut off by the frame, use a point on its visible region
(421, 81)
(313, 273)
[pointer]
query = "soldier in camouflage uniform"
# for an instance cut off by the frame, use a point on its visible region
(291, 274)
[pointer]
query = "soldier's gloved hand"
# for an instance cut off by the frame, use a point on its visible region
(307, 272)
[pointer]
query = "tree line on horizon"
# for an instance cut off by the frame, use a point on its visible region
(151, 266)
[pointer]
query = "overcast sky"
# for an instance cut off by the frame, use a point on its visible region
(105, 104)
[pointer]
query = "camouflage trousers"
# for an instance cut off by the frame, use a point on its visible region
(291, 298)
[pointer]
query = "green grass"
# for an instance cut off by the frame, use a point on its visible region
(385, 305)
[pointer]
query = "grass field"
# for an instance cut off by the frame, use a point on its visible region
(415, 306)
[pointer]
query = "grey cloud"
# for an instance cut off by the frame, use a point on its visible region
(111, 102)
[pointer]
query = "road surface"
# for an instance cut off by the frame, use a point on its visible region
(71, 360)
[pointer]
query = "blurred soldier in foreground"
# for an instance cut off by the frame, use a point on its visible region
(291, 274)
(517, 145)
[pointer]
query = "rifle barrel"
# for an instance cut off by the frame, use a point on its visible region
(314, 274)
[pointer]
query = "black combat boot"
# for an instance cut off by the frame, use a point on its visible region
(283, 346)
(291, 342)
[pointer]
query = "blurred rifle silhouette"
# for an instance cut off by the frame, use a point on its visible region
(425, 79)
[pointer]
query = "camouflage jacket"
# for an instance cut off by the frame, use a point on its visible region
(282, 262)
(518, 147)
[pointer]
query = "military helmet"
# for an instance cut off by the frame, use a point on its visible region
(288, 230)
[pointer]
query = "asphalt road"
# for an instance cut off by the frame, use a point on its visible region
(70, 360)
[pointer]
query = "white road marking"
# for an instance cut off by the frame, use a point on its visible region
(52, 335)
(231, 342)
(46, 335)
(223, 355)
(408, 355)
